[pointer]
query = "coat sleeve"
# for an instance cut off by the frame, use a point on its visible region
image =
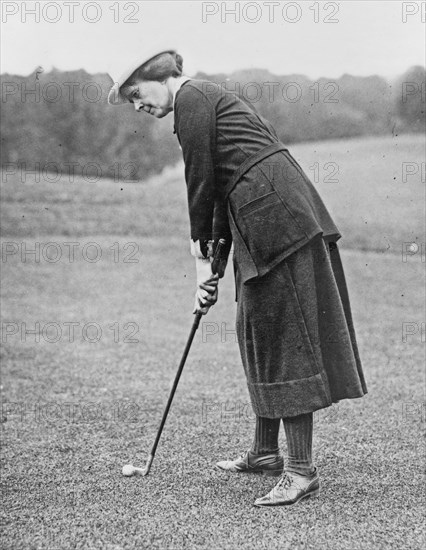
(195, 125)
(221, 229)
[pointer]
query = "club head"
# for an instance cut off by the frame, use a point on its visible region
(129, 470)
(147, 468)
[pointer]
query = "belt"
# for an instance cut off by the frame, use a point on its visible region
(251, 161)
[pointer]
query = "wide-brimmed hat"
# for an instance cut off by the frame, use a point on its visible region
(119, 76)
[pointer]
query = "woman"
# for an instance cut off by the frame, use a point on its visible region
(294, 324)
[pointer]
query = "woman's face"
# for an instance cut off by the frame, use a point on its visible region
(150, 96)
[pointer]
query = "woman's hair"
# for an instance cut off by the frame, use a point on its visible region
(158, 68)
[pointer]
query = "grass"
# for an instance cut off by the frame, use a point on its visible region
(375, 206)
(75, 412)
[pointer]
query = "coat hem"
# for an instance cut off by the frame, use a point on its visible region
(295, 397)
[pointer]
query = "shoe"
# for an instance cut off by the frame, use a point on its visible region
(290, 489)
(271, 464)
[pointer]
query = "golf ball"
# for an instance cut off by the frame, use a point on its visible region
(128, 470)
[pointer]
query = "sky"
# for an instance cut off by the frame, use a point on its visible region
(317, 39)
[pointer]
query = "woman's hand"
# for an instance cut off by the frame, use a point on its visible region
(206, 295)
(207, 286)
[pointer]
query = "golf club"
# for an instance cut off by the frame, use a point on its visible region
(217, 267)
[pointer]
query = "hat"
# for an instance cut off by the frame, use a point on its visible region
(119, 77)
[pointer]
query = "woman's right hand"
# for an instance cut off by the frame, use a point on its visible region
(206, 294)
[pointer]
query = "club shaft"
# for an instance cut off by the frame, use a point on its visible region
(194, 328)
(215, 269)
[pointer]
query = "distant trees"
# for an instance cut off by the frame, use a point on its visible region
(61, 120)
(410, 104)
(303, 110)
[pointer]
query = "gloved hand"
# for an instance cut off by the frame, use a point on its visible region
(207, 286)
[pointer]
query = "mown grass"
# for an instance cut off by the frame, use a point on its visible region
(376, 206)
(75, 412)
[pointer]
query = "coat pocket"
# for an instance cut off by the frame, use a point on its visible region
(259, 202)
(268, 228)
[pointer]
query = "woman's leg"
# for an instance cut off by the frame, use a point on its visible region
(264, 455)
(266, 436)
(300, 479)
(299, 432)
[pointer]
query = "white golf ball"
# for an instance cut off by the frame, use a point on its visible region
(128, 470)
(413, 248)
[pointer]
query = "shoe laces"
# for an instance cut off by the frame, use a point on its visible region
(245, 454)
(285, 481)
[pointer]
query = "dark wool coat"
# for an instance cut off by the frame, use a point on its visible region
(244, 185)
(219, 134)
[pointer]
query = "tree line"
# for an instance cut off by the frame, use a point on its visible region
(61, 120)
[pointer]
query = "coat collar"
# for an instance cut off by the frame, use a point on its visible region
(184, 80)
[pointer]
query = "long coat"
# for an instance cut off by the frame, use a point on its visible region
(244, 185)
(222, 138)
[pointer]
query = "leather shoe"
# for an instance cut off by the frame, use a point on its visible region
(290, 489)
(271, 464)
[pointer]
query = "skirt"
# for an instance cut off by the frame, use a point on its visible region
(296, 334)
